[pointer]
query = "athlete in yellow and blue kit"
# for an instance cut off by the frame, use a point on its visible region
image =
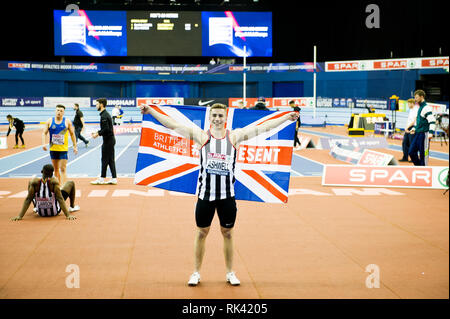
(59, 128)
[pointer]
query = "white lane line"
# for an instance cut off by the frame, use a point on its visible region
(80, 157)
(126, 147)
(35, 160)
(23, 152)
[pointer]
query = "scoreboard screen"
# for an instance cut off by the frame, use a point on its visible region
(148, 33)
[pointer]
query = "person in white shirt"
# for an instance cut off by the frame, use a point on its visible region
(407, 138)
(115, 114)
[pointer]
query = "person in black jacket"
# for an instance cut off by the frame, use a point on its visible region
(260, 104)
(78, 124)
(107, 132)
(297, 125)
(20, 128)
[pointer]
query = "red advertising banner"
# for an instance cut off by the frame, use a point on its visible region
(160, 100)
(251, 101)
(435, 62)
(385, 176)
(390, 64)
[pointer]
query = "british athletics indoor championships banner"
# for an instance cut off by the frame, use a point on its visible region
(169, 161)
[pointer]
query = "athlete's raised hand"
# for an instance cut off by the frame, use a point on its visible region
(293, 116)
(144, 108)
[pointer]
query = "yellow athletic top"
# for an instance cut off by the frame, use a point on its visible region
(59, 136)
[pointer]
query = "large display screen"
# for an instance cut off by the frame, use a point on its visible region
(145, 33)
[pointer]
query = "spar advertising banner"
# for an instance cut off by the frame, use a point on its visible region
(432, 177)
(249, 102)
(160, 100)
(387, 64)
(21, 101)
(299, 101)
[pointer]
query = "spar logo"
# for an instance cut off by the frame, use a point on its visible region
(390, 64)
(344, 66)
(439, 62)
(442, 177)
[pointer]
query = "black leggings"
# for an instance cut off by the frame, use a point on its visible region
(108, 157)
(19, 133)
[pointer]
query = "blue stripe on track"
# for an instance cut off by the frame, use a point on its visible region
(305, 166)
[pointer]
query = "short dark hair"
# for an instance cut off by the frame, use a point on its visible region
(9, 116)
(420, 93)
(47, 170)
(291, 101)
(102, 101)
(76, 104)
(61, 106)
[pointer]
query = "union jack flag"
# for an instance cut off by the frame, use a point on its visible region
(169, 161)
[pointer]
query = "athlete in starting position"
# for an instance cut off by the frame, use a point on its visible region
(216, 179)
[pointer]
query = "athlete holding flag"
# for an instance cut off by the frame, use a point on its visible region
(216, 178)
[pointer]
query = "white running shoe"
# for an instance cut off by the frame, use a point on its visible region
(195, 279)
(232, 279)
(35, 210)
(99, 181)
(113, 181)
(74, 209)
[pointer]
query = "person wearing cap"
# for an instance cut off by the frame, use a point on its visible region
(47, 197)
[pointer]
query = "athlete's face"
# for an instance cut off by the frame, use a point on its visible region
(59, 112)
(218, 117)
(418, 98)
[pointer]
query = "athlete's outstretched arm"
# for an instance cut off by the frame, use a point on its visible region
(246, 133)
(44, 133)
(26, 202)
(193, 132)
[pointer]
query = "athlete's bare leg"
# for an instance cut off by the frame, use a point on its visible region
(55, 163)
(199, 246)
(69, 188)
(62, 169)
(227, 234)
